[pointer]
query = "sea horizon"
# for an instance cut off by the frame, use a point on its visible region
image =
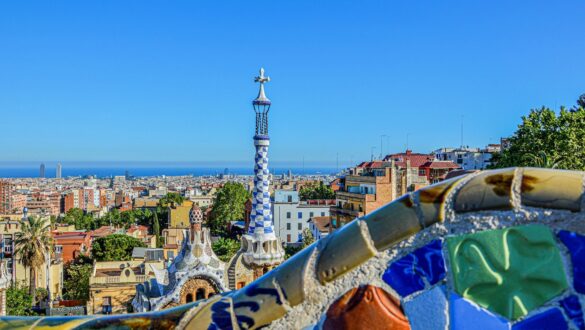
(145, 169)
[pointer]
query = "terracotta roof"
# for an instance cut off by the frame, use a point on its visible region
(322, 223)
(416, 159)
(439, 164)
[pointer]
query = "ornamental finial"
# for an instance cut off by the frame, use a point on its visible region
(261, 99)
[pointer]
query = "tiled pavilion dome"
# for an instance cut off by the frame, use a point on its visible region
(195, 215)
(501, 249)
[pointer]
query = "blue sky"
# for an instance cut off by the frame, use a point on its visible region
(173, 80)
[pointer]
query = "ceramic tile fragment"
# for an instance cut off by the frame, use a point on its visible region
(365, 307)
(427, 310)
(509, 271)
(290, 275)
(258, 303)
(409, 273)
(490, 190)
(392, 223)
(555, 189)
(343, 251)
(547, 320)
(431, 200)
(572, 308)
(465, 315)
(576, 246)
(17, 322)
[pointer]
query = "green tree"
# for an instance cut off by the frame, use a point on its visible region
(308, 238)
(225, 248)
(229, 205)
(18, 301)
(32, 243)
(169, 199)
(156, 231)
(316, 191)
(545, 139)
(76, 279)
(115, 247)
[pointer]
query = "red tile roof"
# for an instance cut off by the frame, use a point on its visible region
(439, 164)
(416, 159)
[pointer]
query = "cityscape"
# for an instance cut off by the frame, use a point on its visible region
(404, 227)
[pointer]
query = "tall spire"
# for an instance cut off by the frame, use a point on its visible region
(261, 246)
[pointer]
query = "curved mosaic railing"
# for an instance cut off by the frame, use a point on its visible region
(497, 249)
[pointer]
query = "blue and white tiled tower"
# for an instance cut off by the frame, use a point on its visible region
(262, 248)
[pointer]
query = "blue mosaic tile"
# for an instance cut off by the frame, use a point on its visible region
(427, 310)
(408, 274)
(547, 320)
(576, 245)
(465, 315)
(572, 308)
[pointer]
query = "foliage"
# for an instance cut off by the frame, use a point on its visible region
(225, 248)
(308, 239)
(76, 216)
(316, 191)
(545, 139)
(76, 279)
(156, 231)
(32, 243)
(164, 203)
(116, 247)
(229, 205)
(18, 301)
(41, 294)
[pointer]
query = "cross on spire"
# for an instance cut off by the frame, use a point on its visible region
(261, 79)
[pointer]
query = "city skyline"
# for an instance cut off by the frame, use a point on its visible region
(105, 84)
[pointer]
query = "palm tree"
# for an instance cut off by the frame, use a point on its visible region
(32, 243)
(543, 160)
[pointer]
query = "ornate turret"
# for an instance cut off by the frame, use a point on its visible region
(261, 248)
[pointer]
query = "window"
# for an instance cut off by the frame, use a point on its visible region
(288, 215)
(189, 298)
(310, 214)
(300, 226)
(322, 214)
(361, 209)
(289, 198)
(300, 215)
(107, 301)
(288, 226)
(200, 294)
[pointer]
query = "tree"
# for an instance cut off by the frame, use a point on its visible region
(32, 243)
(18, 301)
(156, 230)
(169, 199)
(308, 237)
(115, 247)
(229, 205)
(76, 217)
(225, 248)
(314, 191)
(547, 139)
(76, 279)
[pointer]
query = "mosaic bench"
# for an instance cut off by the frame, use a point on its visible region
(500, 249)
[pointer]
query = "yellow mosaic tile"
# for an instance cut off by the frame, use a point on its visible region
(432, 198)
(392, 223)
(490, 190)
(553, 189)
(341, 252)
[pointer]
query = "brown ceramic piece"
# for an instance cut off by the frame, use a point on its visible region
(366, 307)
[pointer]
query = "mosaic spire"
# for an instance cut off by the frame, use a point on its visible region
(262, 247)
(261, 216)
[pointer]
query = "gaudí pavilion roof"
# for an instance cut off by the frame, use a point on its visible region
(500, 249)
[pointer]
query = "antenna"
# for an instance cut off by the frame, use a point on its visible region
(373, 148)
(461, 131)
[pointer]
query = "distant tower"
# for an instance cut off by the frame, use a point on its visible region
(58, 171)
(263, 250)
(42, 171)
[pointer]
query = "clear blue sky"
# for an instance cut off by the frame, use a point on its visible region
(173, 80)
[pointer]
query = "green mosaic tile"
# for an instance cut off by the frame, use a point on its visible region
(509, 271)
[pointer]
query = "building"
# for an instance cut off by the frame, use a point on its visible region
(195, 274)
(112, 285)
(291, 215)
(370, 185)
(5, 282)
(178, 215)
(6, 191)
(42, 171)
(71, 244)
(58, 171)
(469, 158)
(320, 227)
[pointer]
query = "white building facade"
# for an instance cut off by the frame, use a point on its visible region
(291, 215)
(468, 158)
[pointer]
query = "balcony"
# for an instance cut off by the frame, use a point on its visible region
(345, 212)
(362, 197)
(116, 279)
